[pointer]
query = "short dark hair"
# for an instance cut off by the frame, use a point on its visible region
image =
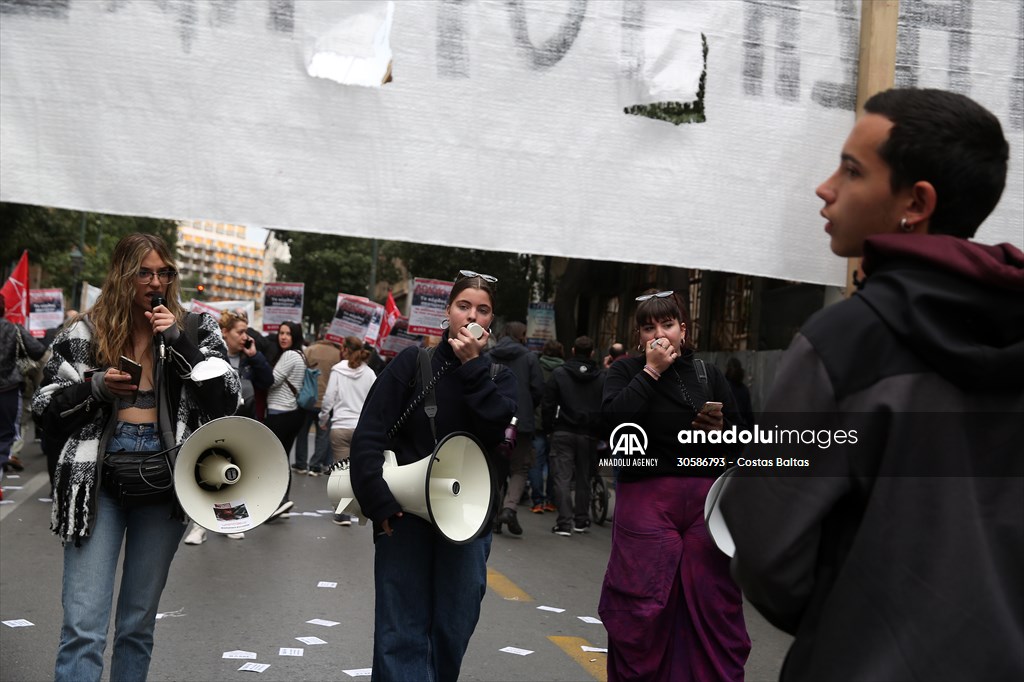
(582, 347)
(553, 349)
(953, 143)
(617, 350)
(515, 330)
(658, 309)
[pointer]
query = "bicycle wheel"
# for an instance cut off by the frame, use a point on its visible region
(598, 500)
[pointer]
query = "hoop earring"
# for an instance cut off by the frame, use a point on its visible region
(905, 227)
(640, 347)
(445, 323)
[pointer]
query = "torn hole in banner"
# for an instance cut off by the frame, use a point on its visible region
(665, 70)
(355, 48)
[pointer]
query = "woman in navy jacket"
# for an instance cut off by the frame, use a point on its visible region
(428, 590)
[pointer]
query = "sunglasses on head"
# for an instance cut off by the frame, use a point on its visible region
(463, 274)
(657, 294)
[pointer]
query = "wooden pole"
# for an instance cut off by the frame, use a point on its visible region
(876, 70)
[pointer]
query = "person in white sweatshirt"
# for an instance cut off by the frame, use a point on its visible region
(347, 388)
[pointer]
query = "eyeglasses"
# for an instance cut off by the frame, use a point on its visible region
(469, 273)
(657, 294)
(165, 276)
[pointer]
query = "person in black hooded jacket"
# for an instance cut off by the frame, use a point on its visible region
(899, 556)
(511, 351)
(572, 409)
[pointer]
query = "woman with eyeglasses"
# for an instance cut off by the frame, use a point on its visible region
(668, 602)
(100, 409)
(429, 590)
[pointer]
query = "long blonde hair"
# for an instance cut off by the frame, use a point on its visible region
(112, 315)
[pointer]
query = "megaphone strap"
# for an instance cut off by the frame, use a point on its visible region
(429, 382)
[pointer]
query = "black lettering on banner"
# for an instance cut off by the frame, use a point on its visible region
(554, 48)
(452, 55)
(633, 12)
(956, 19)
(1017, 80)
(51, 9)
(281, 16)
(787, 59)
(843, 95)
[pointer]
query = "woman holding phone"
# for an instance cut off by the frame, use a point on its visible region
(101, 410)
(428, 590)
(670, 607)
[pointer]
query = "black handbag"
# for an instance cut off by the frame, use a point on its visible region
(138, 478)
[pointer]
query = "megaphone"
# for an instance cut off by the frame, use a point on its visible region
(231, 474)
(713, 519)
(451, 488)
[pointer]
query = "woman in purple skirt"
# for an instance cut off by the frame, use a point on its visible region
(670, 607)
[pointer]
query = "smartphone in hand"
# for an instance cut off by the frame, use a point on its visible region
(710, 406)
(135, 370)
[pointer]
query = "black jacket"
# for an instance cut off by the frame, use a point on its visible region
(468, 399)
(899, 557)
(526, 368)
(631, 396)
(10, 375)
(572, 398)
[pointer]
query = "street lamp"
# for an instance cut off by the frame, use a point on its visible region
(77, 262)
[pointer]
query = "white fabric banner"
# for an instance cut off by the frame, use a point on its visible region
(502, 129)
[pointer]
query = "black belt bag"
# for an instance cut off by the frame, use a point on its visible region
(138, 478)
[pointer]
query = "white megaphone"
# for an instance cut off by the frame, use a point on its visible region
(713, 519)
(451, 488)
(231, 474)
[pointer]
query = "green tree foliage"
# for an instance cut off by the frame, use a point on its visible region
(49, 234)
(328, 265)
(516, 272)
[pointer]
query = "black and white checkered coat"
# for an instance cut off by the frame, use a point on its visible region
(67, 407)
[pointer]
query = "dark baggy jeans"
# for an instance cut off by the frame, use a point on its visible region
(671, 609)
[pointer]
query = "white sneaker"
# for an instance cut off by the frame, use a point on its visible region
(236, 536)
(196, 536)
(279, 512)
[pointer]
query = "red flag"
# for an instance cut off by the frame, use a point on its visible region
(15, 293)
(391, 315)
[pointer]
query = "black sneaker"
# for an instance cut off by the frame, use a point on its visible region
(581, 527)
(299, 470)
(508, 517)
(343, 519)
(561, 530)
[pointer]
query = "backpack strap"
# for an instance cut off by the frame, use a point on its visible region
(287, 381)
(430, 400)
(495, 368)
(423, 362)
(702, 371)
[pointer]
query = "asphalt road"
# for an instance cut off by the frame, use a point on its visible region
(258, 595)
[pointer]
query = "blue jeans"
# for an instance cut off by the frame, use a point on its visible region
(428, 594)
(322, 458)
(151, 539)
(538, 491)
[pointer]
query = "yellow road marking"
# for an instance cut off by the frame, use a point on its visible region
(596, 664)
(505, 587)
